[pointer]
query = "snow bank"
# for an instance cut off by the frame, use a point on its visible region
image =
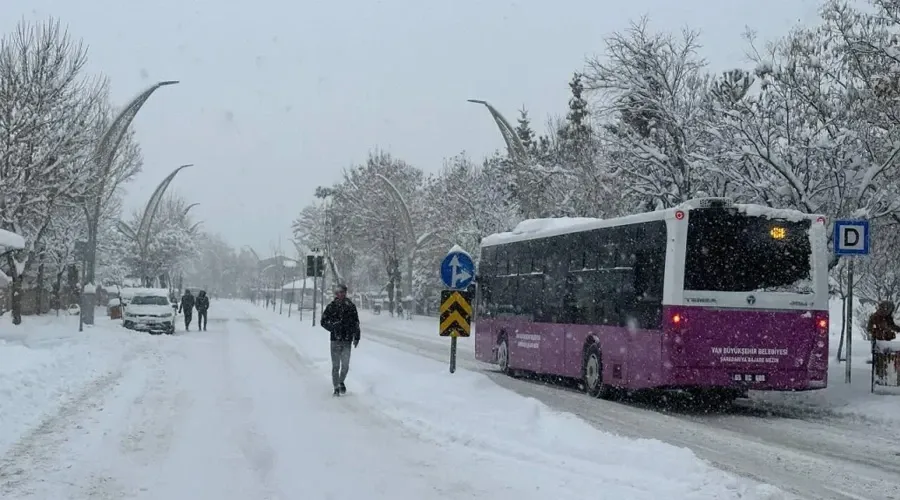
(11, 241)
(467, 412)
(44, 362)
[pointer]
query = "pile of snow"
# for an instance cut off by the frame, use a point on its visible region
(534, 226)
(11, 241)
(555, 454)
(774, 213)
(44, 362)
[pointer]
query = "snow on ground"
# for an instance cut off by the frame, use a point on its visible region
(524, 448)
(245, 411)
(46, 361)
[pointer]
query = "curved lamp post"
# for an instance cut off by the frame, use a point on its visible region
(104, 154)
(141, 234)
(514, 146)
(417, 242)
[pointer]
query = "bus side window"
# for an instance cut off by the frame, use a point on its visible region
(572, 300)
(521, 258)
(530, 296)
(649, 275)
(483, 292)
(536, 251)
(592, 245)
(606, 294)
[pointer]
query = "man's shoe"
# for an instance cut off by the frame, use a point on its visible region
(343, 389)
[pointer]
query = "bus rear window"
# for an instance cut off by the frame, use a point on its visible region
(728, 251)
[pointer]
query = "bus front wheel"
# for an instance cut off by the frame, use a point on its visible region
(593, 374)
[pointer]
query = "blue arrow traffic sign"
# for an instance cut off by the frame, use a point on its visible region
(457, 269)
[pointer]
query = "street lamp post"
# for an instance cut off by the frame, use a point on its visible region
(104, 155)
(141, 234)
(416, 242)
(514, 146)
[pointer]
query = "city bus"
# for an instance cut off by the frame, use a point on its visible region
(710, 296)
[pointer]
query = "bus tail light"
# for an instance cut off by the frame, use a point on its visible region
(676, 322)
(822, 324)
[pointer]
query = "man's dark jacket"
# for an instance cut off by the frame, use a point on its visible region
(342, 320)
(187, 304)
(202, 303)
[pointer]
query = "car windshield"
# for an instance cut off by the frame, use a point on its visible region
(150, 300)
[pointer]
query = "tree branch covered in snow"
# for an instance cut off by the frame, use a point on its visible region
(810, 124)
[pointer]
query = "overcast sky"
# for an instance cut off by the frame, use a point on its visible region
(278, 96)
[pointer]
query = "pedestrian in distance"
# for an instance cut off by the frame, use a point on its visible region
(341, 319)
(187, 306)
(202, 307)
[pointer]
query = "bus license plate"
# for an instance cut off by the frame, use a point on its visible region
(748, 377)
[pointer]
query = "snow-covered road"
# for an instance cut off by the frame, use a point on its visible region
(244, 411)
(810, 454)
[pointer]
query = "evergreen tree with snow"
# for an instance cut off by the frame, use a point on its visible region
(524, 131)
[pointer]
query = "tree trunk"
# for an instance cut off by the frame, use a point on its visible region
(15, 290)
(58, 292)
(40, 286)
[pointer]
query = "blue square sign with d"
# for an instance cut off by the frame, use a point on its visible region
(851, 237)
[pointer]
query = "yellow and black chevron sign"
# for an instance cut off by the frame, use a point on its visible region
(456, 313)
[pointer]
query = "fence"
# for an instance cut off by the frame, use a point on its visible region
(885, 364)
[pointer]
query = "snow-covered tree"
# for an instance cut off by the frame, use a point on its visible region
(650, 89)
(161, 254)
(47, 111)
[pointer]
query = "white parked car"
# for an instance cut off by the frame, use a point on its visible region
(150, 311)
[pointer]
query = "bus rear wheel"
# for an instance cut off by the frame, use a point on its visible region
(503, 356)
(592, 372)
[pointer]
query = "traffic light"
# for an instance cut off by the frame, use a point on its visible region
(315, 266)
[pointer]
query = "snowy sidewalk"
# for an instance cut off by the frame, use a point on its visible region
(45, 362)
(500, 444)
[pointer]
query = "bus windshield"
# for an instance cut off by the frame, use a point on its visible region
(728, 251)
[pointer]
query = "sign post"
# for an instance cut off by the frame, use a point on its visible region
(457, 273)
(851, 239)
(314, 266)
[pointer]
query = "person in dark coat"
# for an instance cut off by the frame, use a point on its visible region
(187, 306)
(342, 320)
(881, 327)
(202, 306)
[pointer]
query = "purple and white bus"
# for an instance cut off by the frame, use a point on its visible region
(710, 296)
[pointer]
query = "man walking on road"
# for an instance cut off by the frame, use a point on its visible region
(187, 305)
(202, 308)
(342, 320)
